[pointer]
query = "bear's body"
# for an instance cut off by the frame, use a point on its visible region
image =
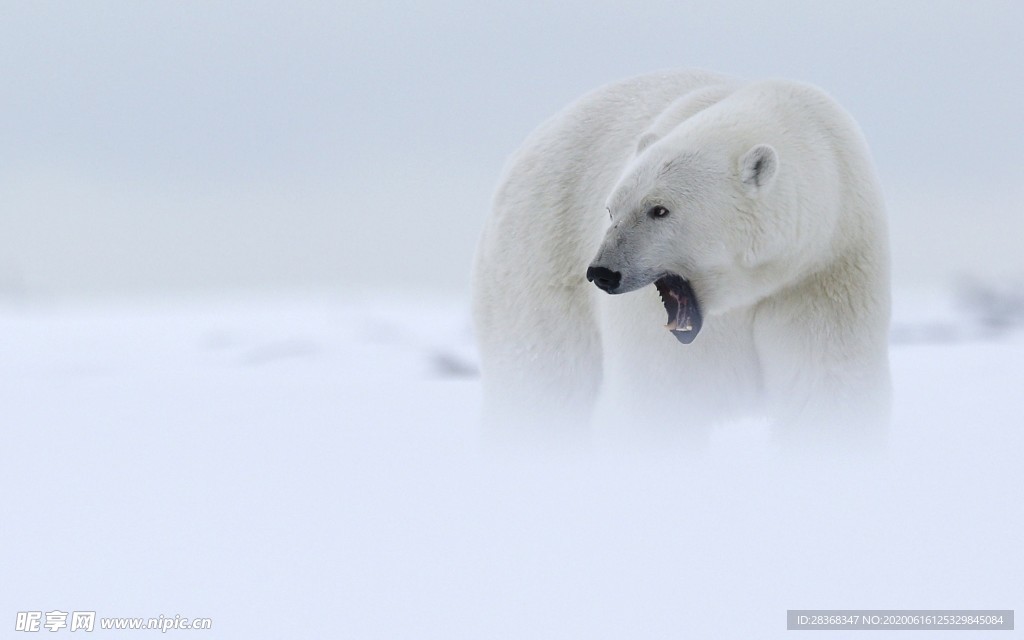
(754, 206)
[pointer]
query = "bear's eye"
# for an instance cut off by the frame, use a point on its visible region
(657, 212)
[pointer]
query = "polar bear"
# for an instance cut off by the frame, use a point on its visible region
(748, 213)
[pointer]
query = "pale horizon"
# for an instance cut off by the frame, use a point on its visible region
(355, 147)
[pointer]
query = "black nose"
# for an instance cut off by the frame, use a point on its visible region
(606, 279)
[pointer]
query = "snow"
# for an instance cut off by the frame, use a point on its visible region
(310, 466)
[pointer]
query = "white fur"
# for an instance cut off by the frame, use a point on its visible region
(776, 219)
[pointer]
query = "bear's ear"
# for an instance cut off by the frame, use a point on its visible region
(645, 141)
(759, 166)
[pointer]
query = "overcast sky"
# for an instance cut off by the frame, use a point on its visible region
(147, 147)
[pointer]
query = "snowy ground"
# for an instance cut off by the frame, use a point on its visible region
(310, 467)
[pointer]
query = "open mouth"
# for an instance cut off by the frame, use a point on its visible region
(684, 319)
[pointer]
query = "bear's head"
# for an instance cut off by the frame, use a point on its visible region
(710, 220)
